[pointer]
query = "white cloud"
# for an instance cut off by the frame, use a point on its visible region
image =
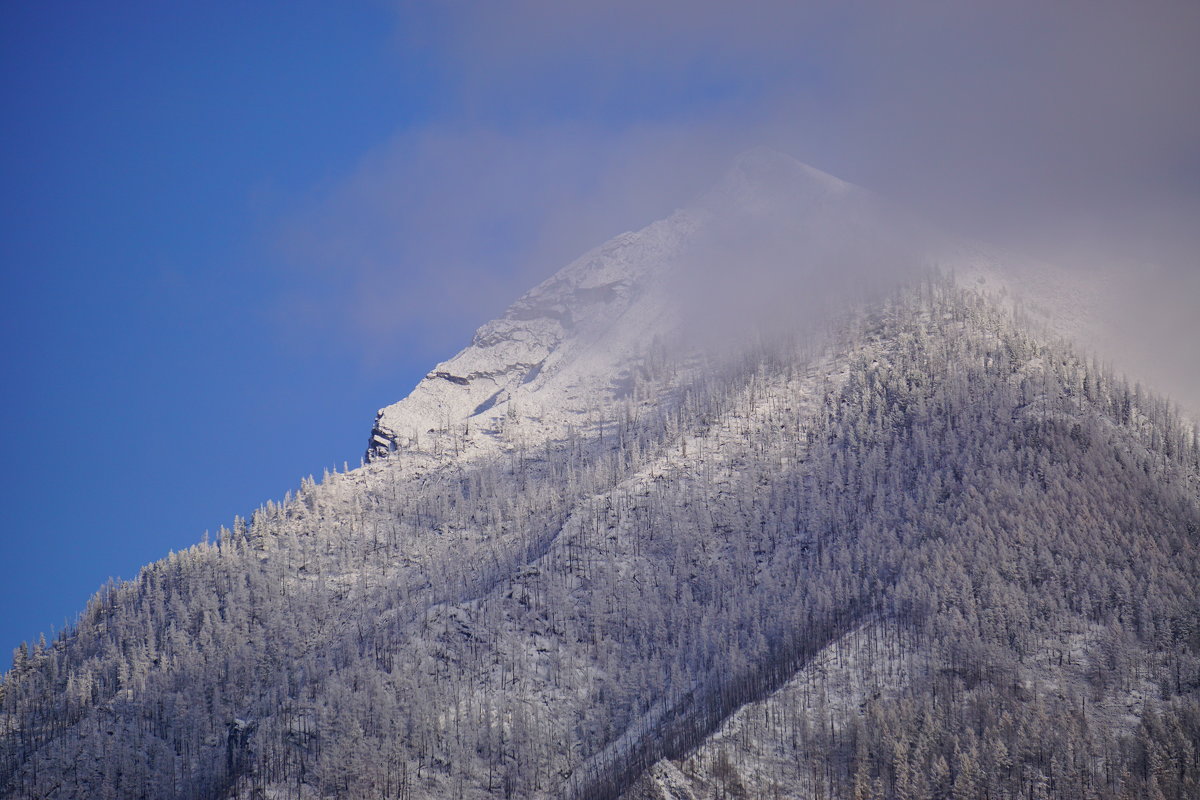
(1068, 128)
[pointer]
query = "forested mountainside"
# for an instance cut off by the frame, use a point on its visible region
(928, 556)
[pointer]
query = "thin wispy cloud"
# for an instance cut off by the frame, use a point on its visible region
(1069, 129)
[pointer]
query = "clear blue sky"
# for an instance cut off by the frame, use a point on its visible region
(147, 152)
(231, 232)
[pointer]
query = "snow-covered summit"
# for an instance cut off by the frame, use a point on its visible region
(568, 345)
(773, 239)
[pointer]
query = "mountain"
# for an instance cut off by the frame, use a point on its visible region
(781, 496)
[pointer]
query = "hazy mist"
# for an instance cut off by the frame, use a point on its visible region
(1068, 130)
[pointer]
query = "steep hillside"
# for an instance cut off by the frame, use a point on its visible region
(915, 549)
(1030, 529)
(552, 622)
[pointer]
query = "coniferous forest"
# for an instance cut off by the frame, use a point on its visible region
(928, 553)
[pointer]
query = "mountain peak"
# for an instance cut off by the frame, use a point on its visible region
(571, 342)
(766, 172)
(762, 180)
(764, 165)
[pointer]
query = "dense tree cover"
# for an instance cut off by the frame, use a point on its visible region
(1032, 542)
(554, 621)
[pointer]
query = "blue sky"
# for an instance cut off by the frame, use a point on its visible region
(150, 152)
(231, 232)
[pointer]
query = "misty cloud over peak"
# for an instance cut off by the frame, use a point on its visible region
(767, 183)
(765, 167)
(783, 244)
(1064, 130)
